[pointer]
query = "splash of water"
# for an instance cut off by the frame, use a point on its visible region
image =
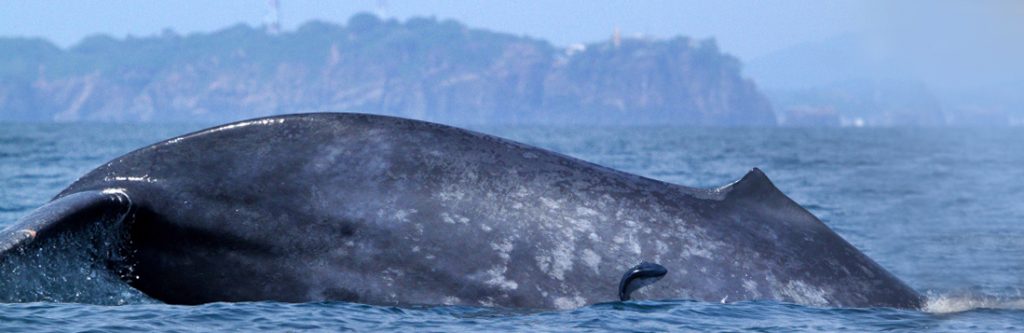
(956, 303)
(70, 268)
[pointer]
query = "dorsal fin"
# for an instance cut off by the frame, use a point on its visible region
(754, 185)
(63, 213)
(754, 182)
(762, 201)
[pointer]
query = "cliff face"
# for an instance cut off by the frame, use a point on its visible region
(420, 68)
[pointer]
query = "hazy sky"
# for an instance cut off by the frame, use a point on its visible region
(951, 40)
(744, 28)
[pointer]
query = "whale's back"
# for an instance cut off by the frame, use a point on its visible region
(392, 211)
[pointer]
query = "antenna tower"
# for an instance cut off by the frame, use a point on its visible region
(273, 19)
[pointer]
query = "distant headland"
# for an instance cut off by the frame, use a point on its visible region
(424, 68)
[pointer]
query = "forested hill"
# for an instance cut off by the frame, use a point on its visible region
(420, 68)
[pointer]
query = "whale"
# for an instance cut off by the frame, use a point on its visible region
(390, 211)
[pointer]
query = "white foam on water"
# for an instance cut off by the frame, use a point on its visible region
(945, 304)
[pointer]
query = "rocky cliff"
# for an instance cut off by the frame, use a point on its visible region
(420, 68)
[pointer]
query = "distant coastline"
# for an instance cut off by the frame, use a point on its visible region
(419, 68)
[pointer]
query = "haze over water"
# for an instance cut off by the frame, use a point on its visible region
(961, 58)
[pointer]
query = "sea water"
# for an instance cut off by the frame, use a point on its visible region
(943, 209)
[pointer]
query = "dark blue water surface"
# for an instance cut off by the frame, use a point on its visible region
(943, 209)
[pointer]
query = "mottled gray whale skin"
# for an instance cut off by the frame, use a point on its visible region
(384, 210)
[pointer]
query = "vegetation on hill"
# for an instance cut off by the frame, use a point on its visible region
(420, 68)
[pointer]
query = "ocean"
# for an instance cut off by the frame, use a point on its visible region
(942, 209)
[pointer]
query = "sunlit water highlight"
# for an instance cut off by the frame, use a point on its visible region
(942, 209)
